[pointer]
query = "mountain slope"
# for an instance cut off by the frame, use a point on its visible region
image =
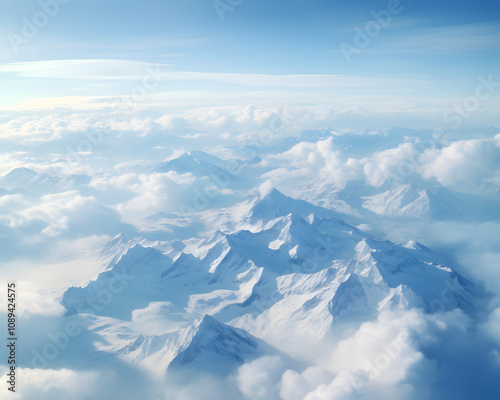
(204, 346)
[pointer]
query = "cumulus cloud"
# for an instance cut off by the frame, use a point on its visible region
(327, 162)
(345, 386)
(56, 213)
(33, 300)
(136, 121)
(13, 202)
(154, 193)
(295, 385)
(398, 164)
(400, 355)
(258, 380)
(304, 160)
(79, 384)
(493, 325)
(471, 166)
(121, 181)
(467, 165)
(385, 350)
(50, 384)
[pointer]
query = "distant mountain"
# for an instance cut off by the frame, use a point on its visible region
(420, 199)
(414, 198)
(24, 178)
(417, 199)
(223, 174)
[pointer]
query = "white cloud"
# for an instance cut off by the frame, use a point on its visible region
(66, 215)
(398, 163)
(385, 349)
(380, 360)
(56, 211)
(156, 192)
(93, 69)
(33, 300)
(345, 386)
(11, 203)
(306, 160)
(122, 181)
(492, 326)
(295, 386)
(467, 165)
(49, 384)
(104, 69)
(258, 380)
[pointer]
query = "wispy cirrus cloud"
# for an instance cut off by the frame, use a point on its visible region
(88, 69)
(104, 69)
(440, 40)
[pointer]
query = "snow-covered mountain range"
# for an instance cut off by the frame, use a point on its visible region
(276, 271)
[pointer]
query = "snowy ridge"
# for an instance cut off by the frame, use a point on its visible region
(203, 345)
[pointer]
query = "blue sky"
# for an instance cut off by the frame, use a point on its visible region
(428, 50)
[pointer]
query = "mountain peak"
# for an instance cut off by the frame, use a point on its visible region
(209, 323)
(218, 348)
(118, 239)
(22, 171)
